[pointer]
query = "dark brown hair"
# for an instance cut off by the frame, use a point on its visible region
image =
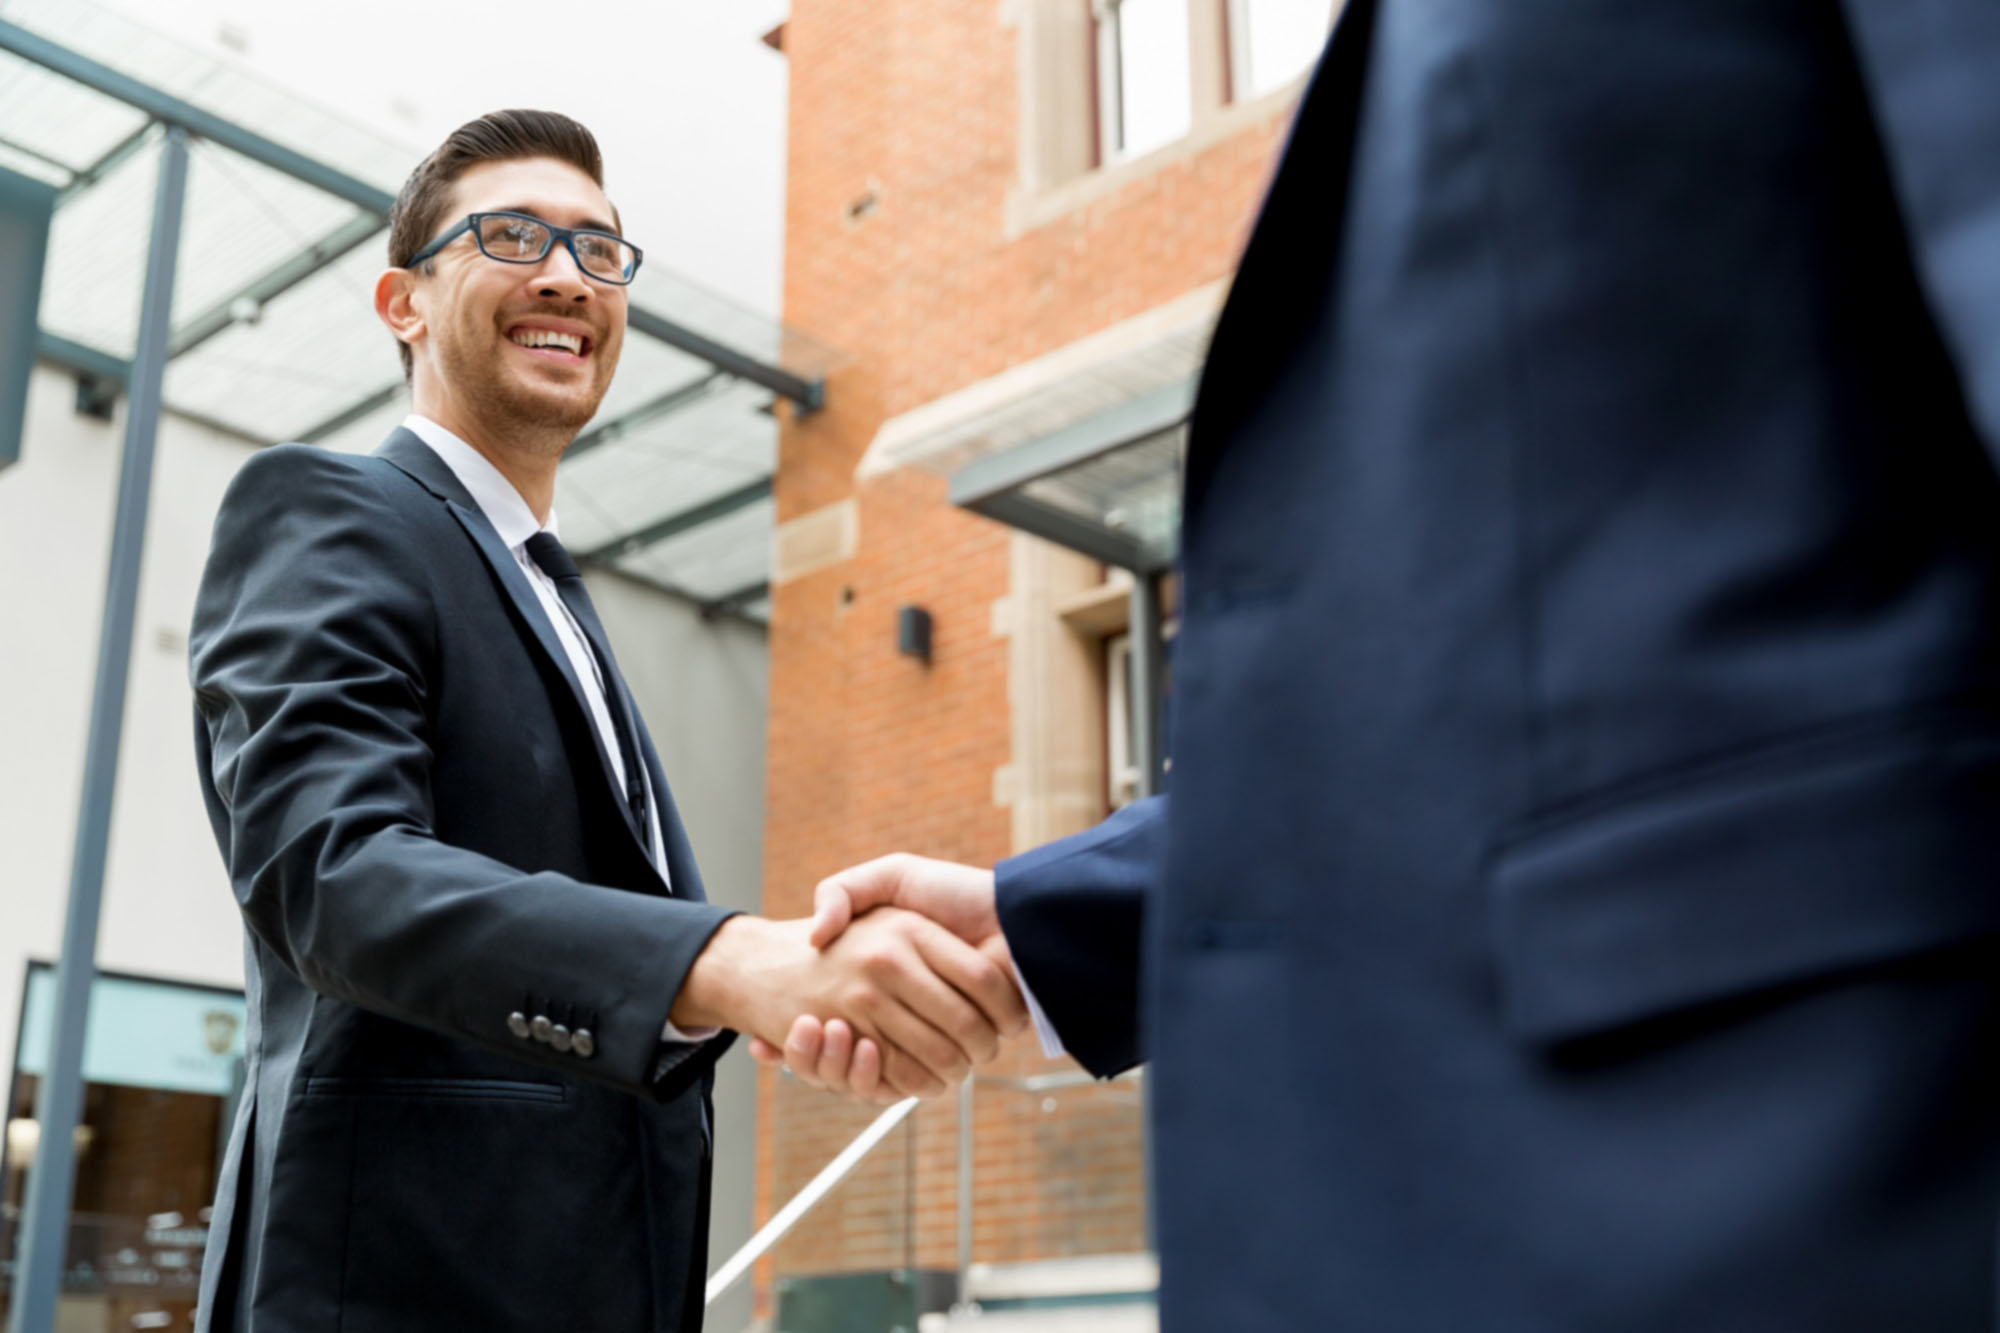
(497, 136)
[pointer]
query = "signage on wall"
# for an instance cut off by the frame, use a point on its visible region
(142, 1034)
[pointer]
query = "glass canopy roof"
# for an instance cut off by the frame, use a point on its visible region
(274, 332)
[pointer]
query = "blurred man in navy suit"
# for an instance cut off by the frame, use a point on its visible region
(1575, 907)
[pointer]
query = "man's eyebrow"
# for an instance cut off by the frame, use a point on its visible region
(588, 224)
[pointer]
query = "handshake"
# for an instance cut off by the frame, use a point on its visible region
(895, 987)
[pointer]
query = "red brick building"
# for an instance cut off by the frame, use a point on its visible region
(1014, 217)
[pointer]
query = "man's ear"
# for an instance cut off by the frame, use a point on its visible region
(395, 304)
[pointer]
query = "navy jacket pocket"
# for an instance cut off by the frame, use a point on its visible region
(1798, 861)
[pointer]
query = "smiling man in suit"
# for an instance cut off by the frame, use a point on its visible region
(486, 989)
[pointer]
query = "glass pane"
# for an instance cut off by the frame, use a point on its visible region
(1154, 74)
(1134, 490)
(1276, 41)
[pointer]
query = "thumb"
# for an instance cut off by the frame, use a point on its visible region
(832, 910)
(840, 898)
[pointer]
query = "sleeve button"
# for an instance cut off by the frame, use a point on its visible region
(582, 1044)
(541, 1027)
(559, 1038)
(517, 1023)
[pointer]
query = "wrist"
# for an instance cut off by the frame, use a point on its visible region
(716, 992)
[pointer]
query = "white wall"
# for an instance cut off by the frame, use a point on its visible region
(167, 906)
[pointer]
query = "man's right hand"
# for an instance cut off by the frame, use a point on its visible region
(830, 1053)
(929, 1004)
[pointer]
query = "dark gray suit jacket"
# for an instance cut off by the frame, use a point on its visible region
(1575, 907)
(424, 840)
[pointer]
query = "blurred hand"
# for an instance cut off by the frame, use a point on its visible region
(927, 1004)
(830, 1053)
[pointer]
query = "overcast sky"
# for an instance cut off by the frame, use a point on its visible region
(688, 105)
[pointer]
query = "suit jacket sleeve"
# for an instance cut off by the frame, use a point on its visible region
(314, 634)
(1074, 916)
(1932, 68)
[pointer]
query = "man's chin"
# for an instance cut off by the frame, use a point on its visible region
(546, 407)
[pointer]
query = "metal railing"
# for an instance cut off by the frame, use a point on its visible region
(804, 1201)
(740, 1263)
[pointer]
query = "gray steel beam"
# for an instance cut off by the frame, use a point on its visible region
(102, 377)
(352, 413)
(676, 523)
(646, 411)
(1149, 656)
(808, 394)
(45, 1220)
(1067, 529)
(678, 593)
(276, 281)
(166, 107)
(1147, 415)
(108, 162)
(736, 599)
(80, 359)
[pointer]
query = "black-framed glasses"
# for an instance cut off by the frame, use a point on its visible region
(522, 238)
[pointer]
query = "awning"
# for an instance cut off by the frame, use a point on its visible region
(1083, 446)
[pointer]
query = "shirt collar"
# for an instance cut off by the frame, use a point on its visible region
(497, 499)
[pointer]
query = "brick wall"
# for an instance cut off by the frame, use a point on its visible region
(904, 124)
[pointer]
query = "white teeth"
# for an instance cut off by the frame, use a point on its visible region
(569, 342)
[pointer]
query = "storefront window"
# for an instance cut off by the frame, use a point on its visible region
(163, 1068)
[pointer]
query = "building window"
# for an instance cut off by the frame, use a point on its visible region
(1122, 777)
(1272, 42)
(1145, 90)
(163, 1068)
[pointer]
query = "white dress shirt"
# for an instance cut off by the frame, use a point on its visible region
(515, 523)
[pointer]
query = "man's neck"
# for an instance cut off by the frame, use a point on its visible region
(530, 465)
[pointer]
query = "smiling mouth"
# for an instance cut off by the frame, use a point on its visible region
(551, 344)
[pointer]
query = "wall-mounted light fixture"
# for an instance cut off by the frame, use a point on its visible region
(913, 633)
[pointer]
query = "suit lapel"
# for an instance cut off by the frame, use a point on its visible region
(421, 464)
(1278, 287)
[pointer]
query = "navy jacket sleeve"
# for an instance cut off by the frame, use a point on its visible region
(1074, 916)
(311, 653)
(1932, 68)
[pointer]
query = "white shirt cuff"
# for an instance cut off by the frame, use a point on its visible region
(1045, 1031)
(687, 1036)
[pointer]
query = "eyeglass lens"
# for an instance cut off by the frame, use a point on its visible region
(524, 241)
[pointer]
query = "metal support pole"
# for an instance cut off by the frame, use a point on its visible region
(1147, 629)
(1148, 637)
(965, 1192)
(45, 1221)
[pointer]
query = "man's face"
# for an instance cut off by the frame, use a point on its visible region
(480, 315)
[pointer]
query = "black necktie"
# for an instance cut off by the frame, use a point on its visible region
(548, 553)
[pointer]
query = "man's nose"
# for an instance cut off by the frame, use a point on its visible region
(560, 277)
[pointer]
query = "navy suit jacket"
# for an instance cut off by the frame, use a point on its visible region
(1573, 909)
(425, 842)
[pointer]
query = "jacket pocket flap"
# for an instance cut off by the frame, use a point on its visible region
(1775, 871)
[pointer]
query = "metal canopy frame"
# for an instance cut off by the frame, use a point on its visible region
(102, 376)
(998, 484)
